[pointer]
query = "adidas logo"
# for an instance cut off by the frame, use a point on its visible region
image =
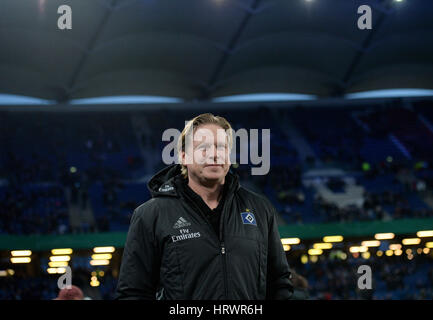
(180, 223)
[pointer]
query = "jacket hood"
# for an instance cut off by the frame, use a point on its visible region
(163, 183)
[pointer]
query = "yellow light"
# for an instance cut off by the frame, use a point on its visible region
(21, 253)
(343, 256)
(398, 252)
(11, 272)
(99, 262)
(103, 256)
(60, 258)
(290, 241)
(55, 264)
(93, 273)
(61, 270)
(389, 253)
(322, 246)
(333, 239)
(384, 236)
(52, 270)
(429, 245)
(61, 251)
(314, 259)
(315, 252)
(3, 273)
(354, 249)
(408, 251)
(395, 246)
(304, 259)
(426, 250)
(410, 257)
(21, 260)
(411, 241)
(286, 247)
(94, 283)
(101, 273)
(366, 255)
(425, 233)
(370, 243)
(379, 253)
(104, 249)
(94, 278)
(419, 250)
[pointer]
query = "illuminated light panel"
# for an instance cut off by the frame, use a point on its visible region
(104, 249)
(290, 241)
(315, 252)
(56, 264)
(322, 246)
(429, 245)
(21, 260)
(99, 262)
(384, 236)
(52, 270)
(411, 241)
(61, 251)
(60, 258)
(333, 239)
(425, 233)
(356, 249)
(395, 246)
(370, 243)
(21, 253)
(3, 273)
(102, 256)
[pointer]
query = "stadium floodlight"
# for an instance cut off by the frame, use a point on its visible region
(370, 243)
(103, 249)
(411, 241)
(21, 260)
(102, 256)
(21, 253)
(290, 241)
(322, 245)
(99, 262)
(60, 258)
(384, 236)
(425, 233)
(333, 239)
(61, 251)
(315, 252)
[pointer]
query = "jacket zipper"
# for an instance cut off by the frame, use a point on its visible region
(223, 255)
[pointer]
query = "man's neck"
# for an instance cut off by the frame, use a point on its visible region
(210, 194)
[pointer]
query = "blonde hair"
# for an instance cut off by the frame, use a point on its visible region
(205, 118)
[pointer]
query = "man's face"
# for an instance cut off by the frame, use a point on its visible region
(208, 156)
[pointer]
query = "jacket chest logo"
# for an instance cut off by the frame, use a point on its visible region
(248, 218)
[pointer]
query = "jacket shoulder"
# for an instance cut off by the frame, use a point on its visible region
(150, 209)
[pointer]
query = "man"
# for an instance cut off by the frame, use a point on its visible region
(202, 235)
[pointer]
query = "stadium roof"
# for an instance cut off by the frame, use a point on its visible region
(202, 49)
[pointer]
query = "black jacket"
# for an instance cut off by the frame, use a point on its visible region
(173, 252)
